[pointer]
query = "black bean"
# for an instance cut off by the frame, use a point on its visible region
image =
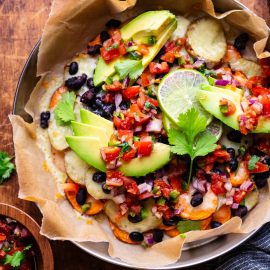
(105, 188)
(113, 23)
(99, 103)
(109, 108)
(87, 97)
(136, 236)
(104, 35)
(45, 115)
(124, 105)
(158, 235)
(99, 177)
(135, 218)
(81, 196)
(98, 112)
(233, 164)
(266, 160)
(260, 181)
(197, 199)
(73, 68)
(241, 211)
(234, 136)
(231, 151)
(163, 139)
(92, 50)
(215, 224)
(75, 83)
(172, 221)
(241, 41)
(217, 170)
(44, 124)
(90, 83)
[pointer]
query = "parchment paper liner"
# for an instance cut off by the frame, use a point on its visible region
(68, 29)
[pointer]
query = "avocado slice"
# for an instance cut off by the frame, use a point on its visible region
(90, 118)
(160, 156)
(210, 102)
(151, 222)
(80, 129)
(87, 149)
(160, 24)
(209, 97)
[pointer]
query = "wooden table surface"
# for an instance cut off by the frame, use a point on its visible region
(21, 23)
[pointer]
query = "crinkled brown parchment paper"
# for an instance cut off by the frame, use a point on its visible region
(70, 26)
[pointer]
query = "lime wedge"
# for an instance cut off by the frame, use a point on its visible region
(168, 124)
(177, 93)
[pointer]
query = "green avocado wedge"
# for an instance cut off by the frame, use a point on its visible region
(80, 129)
(159, 24)
(90, 118)
(88, 149)
(210, 102)
(209, 97)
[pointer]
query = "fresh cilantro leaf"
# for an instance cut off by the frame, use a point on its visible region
(125, 147)
(252, 162)
(6, 166)
(144, 213)
(131, 68)
(16, 259)
(184, 226)
(190, 139)
(192, 122)
(64, 113)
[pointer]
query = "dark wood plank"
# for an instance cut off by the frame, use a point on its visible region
(21, 26)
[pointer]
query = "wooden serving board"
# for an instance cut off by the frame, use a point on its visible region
(21, 23)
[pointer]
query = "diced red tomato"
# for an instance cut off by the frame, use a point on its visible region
(122, 49)
(176, 183)
(2, 237)
(238, 196)
(265, 64)
(141, 101)
(108, 98)
(227, 107)
(125, 123)
(143, 49)
(110, 153)
(153, 101)
(109, 55)
(159, 68)
(265, 100)
(217, 184)
(131, 92)
(114, 182)
(116, 86)
(259, 90)
(129, 155)
(144, 148)
(130, 185)
(170, 45)
(231, 54)
(146, 78)
(260, 168)
(168, 57)
(125, 136)
(136, 209)
(256, 81)
(145, 195)
(71, 187)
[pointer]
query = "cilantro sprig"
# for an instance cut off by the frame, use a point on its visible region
(252, 162)
(17, 257)
(131, 68)
(64, 111)
(6, 166)
(189, 139)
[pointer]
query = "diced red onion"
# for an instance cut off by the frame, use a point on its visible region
(228, 186)
(148, 238)
(118, 99)
(229, 201)
(17, 230)
(257, 107)
(112, 165)
(154, 209)
(177, 211)
(246, 186)
(227, 77)
(146, 139)
(138, 129)
(130, 43)
(119, 199)
(144, 187)
(123, 208)
(126, 82)
(199, 63)
(230, 193)
(235, 205)
(222, 82)
(154, 125)
(199, 185)
(244, 105)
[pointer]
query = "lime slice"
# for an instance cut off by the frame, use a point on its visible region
(177, 93)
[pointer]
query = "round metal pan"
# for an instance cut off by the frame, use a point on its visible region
(193, 253)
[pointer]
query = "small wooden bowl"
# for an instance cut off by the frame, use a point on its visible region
(44, 254)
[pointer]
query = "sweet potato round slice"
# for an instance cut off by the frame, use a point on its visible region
(57, 95)
(120, 234)
(223, 214)
(206, 40)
